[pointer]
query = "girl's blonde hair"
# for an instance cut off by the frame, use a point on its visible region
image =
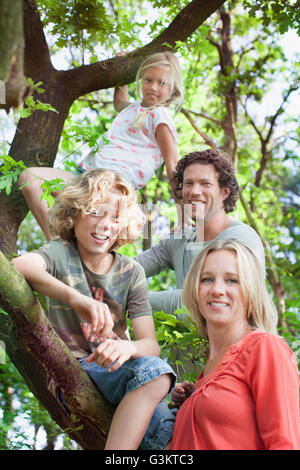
(168, 61)
(85, 194)
(261, 311)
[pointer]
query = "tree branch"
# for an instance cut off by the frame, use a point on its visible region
(206, 139)
(264, 141)
(122, 70)
(208, 117)
(40, 345)
(37, 55)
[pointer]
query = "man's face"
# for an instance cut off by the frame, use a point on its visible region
(201, 191)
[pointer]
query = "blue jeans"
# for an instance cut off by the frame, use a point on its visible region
(131, 375)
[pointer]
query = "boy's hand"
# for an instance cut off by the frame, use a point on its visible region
(112, 351)
(181, 392)
(95, 312)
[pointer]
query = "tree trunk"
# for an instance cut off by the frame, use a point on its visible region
(39, 353)
(13, 86)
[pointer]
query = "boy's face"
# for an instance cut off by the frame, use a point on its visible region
(98, 231)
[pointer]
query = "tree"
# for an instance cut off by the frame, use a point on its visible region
(13, 84)
(30, 340)
(221, 82)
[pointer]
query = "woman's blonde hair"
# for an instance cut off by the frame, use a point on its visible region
(85, 194)
(168, 61)
(261, 311)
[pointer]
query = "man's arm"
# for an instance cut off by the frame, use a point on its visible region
(168, 301)
(34, 268)
(156, 259)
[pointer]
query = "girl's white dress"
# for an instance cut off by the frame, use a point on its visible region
(130, 149)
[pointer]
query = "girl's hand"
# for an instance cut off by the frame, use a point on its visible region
(181, 392)
(95, 312)
(112, 351)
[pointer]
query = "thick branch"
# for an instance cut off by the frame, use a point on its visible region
(40, 344)
(121, 70)
(13, 86)
(37, 55)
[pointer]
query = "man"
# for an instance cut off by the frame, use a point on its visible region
(206, 184)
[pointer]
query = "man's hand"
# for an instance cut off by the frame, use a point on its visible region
(181, 392)
(112, 353)
(95, 312)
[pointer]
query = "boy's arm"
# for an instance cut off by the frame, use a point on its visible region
(34, 268)
(121, 98)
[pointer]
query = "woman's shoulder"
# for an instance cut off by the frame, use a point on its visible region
(259, 336)
(263, 344)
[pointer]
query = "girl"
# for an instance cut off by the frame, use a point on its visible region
(139, 140)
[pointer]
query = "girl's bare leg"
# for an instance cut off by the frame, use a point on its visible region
(133, 415)
(33, 178)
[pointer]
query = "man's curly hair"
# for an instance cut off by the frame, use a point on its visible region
(224, 169)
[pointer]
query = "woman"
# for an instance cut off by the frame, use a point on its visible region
(247, 397)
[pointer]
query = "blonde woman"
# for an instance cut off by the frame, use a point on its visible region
(247, 396)
(141, 138)
(91, 288)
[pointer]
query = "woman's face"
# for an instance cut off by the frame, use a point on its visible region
(221, 300)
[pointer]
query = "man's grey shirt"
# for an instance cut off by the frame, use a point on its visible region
(178, 253)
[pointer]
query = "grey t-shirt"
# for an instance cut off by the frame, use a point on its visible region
(178, 253)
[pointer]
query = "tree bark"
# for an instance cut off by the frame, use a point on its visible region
(38, 353)
(13, 86)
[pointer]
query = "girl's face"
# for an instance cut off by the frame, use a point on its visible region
(156, 86)
(98, 231)
(221, 300)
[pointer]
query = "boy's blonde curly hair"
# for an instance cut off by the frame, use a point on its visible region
(85, 194)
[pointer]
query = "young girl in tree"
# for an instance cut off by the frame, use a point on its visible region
(91, 289)
(141, 138)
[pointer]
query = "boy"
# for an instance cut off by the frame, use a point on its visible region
(90, 288)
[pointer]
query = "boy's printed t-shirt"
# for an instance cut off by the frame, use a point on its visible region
(124, 289)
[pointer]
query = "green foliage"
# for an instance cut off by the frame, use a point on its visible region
(180, 343)
(285, 14)
(10, 171)
(49, 187)
(33, 104)
(75, 21)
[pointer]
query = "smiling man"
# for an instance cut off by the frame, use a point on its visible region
(206, 184)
